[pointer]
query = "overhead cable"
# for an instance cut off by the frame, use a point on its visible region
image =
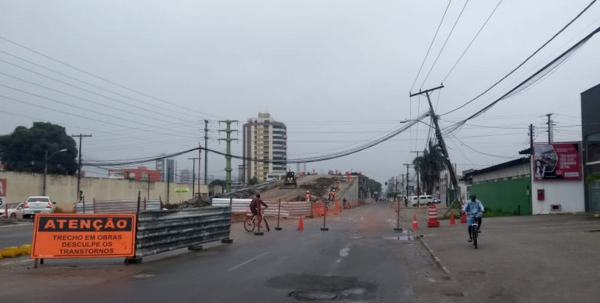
(525, 61)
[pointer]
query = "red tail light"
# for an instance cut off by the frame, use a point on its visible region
(48, 205)
(26, 205)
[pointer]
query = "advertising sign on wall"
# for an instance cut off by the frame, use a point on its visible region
(557, 161)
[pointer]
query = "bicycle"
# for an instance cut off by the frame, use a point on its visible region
(475, 230)
(251, 222)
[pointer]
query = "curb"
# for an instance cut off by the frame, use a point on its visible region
(15, 251)
(437, 259)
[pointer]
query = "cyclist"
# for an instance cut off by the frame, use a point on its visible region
(474, 211)
(255, 207)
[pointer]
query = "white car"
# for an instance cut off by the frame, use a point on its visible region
(37, 204)
(16, 212)
(423, 200)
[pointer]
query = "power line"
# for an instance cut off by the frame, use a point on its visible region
(430, 45)
(90, 101)
(444, 45)
(479, 152)
(473, 40)
(531, 79)
(78, 107)
(143, 103)
(98, 77)
(525, 61)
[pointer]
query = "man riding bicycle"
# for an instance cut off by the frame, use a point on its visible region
(255, 206)
(474, 211)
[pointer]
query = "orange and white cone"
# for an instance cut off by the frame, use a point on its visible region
(415, 224)
(300, 224)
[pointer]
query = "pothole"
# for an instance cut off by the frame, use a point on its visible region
(314, 295)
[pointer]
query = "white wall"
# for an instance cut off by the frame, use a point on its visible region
(569, 194)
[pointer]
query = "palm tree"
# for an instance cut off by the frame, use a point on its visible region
(429, 165)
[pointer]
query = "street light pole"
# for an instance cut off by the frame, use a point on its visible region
(46, 159)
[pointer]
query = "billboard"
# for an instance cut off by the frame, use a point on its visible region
(557, 161)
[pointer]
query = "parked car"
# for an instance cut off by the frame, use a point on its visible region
(16, 212)
(436, 201)
(413, 200)
(37, 204)
(422, 200)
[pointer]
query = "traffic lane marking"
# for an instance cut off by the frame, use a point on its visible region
(244, 263)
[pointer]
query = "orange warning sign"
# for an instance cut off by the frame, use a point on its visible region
(57, 236)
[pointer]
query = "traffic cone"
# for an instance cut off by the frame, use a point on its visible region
(300, 224)
(452, 223)
(415, 224)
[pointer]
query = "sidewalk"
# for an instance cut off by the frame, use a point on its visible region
(550, 258)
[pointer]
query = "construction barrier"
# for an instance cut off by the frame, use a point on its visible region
(318, 208)
(167, 230)
(288, 208)
(116, 206)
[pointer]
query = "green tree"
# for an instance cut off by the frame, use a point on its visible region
(25, 148)
(374, 186)
(429, 165)
(253, 181)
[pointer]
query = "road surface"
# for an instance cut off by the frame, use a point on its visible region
(15, 235)
(360, 259)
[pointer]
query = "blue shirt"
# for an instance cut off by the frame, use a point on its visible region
(473, 208)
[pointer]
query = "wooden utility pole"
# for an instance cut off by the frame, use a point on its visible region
(440, 138)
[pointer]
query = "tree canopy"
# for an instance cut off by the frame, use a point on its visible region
(217, 183)
(429, 165)
(253, 181)
(24, 150)
(374, 186)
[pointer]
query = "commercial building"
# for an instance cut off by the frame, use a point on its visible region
(264, 139)
(141, 173)
(590, 131)
(167, 168)
(185, 176)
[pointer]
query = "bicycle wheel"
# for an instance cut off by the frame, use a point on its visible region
(249, 224)
(475, 235)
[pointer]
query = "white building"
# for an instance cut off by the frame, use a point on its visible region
(264, 139)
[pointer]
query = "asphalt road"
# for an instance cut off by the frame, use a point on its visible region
(360, 259)
(15, 235)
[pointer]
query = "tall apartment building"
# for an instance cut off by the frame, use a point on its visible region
(264, 139)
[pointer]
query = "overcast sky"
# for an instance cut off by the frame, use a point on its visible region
(336, 73)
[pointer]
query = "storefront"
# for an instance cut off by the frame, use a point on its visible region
(590, 121)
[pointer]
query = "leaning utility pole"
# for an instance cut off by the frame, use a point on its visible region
(194, 176)
(81, 136)
(438, 134)
(205, 155)
(228, 140)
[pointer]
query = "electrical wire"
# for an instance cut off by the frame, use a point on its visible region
(143, 103)
(479, 152)
(531, 79)
(101, 78)
(430, 45)
(525, 61)
(445, 42)
(473, 40)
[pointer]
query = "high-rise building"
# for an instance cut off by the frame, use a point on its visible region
(185, 176)
(160, 166)
(264, 139)
(170, 170)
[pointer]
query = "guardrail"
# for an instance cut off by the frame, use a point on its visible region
(116, 206)
(165, 230)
